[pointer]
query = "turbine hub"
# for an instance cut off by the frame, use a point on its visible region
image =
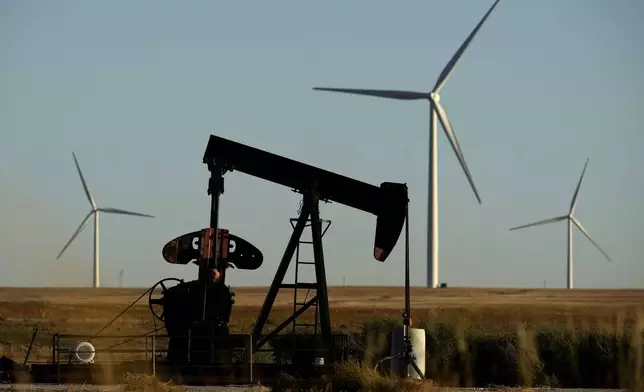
(435, 96)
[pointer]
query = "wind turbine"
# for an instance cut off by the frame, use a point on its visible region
(435, 109)
(95, 210)
(571, 220)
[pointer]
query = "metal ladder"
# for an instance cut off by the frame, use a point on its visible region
(302, 285)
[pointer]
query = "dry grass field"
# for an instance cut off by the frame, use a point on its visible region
(86, 311)
(476, 337)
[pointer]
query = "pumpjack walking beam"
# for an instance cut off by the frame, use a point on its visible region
(388, 202)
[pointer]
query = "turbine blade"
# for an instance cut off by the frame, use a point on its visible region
(392, 94)
(542, 222)
(580, 227)
(447, 127)
(457, 56)
(573, 203)
(123, 212)
(78, 231)
(87, 193)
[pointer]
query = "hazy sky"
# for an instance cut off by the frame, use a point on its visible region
(136, 88)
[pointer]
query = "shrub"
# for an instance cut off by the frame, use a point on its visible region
(145, 383)
(470, 357)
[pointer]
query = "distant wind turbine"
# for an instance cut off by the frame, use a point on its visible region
(95, 210)
(571, 219)
(435, 108)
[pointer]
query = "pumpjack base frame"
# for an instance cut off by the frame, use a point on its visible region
(245, 369)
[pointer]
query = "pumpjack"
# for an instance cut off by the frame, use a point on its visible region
(210, 300)
(196, 314)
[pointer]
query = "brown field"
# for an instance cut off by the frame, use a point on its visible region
(86, 311)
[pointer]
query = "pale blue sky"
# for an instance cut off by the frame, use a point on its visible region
(136, 88)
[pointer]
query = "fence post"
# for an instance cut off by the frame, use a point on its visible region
(58, 358)
(250, 338)
(53, 349)
(154, 355)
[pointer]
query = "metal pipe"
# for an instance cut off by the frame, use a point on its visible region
(407, 288)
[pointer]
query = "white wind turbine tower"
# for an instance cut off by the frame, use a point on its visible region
(95, 210)
(435, 109)
(570, 220)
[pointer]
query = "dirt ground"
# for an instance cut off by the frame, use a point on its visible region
(86, 311)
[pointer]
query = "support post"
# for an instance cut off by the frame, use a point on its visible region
(154, 356)
(250, 354)
(53, 349)
(31, 343)
(310, 207)
(320, 273)
(281, 270)
(189, 343)
(57, 358)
